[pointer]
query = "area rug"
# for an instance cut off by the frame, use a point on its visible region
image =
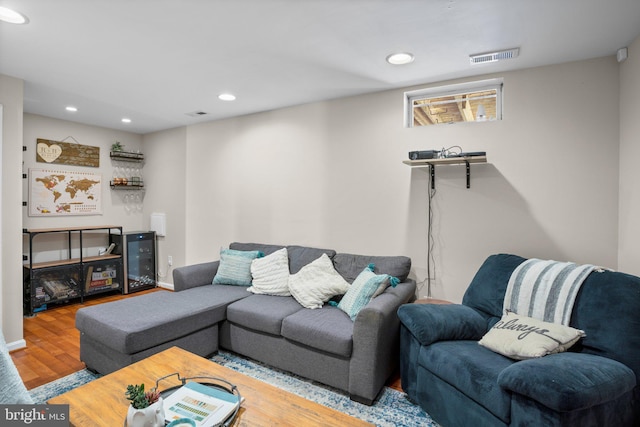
(391, 408)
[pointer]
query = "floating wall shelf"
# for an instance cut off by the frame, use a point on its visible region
(431, 163)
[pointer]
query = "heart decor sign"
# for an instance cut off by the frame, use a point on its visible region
(48, 152)
(65, 153)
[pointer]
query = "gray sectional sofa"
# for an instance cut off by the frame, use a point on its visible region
(323, 344)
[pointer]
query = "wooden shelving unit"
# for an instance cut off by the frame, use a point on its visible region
(73, 277)
(431, 163)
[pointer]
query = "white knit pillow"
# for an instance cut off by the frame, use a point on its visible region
(271, 274)
(316, 283)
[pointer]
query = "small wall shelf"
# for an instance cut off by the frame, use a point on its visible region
(127, 156)
(129, 185)
(431, 163)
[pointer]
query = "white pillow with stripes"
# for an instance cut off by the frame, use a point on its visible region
(316, 283)
(271, 274)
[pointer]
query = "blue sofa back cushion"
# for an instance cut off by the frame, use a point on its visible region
(487, 289)
(606, 308)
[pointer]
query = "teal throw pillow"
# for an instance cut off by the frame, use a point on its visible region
(363, 289)
(235, 267)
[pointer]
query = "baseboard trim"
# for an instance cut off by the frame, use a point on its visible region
(16, 345)
(165, 285)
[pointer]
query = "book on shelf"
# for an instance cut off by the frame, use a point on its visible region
(207, 406)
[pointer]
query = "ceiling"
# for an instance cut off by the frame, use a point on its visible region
(159, 61)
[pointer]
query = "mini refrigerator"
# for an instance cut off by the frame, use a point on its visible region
(138, 250)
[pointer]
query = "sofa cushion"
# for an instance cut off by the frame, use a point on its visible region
(606, 308)
(316, 283)
(473, 369)
(160, 316)
(522, 337)
(263, 313)
(235, 267)
(569, 381)
(271, 274)
(328, 329)
(299, 256)
(349, 266)
(488, 286)
(262, 247)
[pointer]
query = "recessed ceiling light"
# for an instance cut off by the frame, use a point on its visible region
(400, 58)
(227, 97)
(71, 109)
(126, 120)
(11, 16)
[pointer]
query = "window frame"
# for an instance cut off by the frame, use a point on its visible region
(452, 90)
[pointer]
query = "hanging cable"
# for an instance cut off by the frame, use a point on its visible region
(430, 239)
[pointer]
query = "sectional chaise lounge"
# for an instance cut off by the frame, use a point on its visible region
(202, 315)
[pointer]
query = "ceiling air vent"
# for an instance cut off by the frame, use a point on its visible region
(197, 114)
(501, 55)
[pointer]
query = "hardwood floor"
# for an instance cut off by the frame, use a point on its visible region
(53, 343)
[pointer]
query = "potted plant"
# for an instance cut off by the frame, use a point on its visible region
(116, 146)
(146, 407)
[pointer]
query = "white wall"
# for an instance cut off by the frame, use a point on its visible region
(11, 98)
(330, 174)
(165, 180)
(114, 209)
(629, 247)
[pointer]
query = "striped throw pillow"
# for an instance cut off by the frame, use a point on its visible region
(363, 289)
(235, 267)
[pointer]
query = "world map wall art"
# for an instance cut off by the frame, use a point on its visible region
(64, 193)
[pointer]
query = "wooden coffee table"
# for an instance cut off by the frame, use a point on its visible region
(102, 402)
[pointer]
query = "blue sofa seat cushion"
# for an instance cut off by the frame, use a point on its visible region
(160, 317)
(569, 381)
(328, 328)
(467, 366)
(433, 322)
(263, 313)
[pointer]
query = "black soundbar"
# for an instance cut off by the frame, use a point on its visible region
(425, 154)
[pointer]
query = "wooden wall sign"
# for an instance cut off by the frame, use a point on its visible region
(65, 153)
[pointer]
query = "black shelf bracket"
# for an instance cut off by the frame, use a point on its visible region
(452, 160)
(432, 171)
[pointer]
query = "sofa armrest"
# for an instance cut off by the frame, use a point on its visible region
(194, 275)
(429, 323)
(376, 342)
(568, 381)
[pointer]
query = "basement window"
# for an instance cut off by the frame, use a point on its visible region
(478, 101)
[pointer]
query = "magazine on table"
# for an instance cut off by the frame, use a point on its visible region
(205, 405)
